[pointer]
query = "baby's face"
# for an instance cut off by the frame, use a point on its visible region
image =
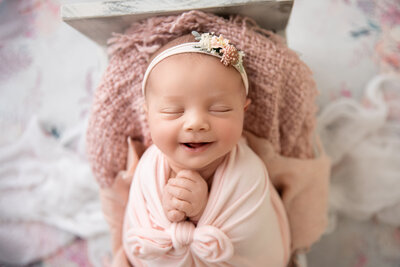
(195, 107)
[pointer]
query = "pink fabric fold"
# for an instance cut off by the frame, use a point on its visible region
(243, 224)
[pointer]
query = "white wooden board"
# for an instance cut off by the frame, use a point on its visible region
(98, 19)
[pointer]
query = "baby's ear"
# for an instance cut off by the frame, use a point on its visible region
(247, 104)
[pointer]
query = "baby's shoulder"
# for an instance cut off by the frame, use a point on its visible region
(248, 155)
(250, 163)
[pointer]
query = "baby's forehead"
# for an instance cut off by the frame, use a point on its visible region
(210, 66)
(189, 59)
(181, 74)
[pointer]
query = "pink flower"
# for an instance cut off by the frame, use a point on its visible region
(230, 55)
(219, 42)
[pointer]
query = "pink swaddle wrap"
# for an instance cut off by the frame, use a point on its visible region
(243, 224)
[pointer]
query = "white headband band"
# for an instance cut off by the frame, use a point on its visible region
(208, 47)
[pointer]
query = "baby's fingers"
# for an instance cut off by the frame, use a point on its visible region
(181, 182)
(179, 192)
(176, 215)
(181, 205)
(190, 175)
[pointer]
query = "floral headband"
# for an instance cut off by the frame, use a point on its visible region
(209, 44)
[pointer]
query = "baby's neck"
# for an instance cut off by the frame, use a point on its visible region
(207, 172)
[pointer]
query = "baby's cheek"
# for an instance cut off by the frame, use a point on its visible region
(162, 134)
(158, 128)
(230, 131)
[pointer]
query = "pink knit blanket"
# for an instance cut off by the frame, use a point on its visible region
(243, 224)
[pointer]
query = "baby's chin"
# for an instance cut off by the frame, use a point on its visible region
(199, 165)
(192, 165)
(183, 162)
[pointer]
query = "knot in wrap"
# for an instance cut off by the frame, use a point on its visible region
(211, 244)
(207, 242)
(182, 234)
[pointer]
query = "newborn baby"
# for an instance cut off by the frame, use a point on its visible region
(200, 196)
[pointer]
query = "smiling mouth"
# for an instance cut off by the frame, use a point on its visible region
(196, 147)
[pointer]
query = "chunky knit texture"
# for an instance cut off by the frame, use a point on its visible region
(281, 88)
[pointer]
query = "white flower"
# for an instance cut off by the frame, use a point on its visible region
(205, 41)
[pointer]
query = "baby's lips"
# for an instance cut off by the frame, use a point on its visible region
(195, 144)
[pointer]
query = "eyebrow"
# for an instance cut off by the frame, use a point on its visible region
(171, 97)
(221, 95)
(215, 94)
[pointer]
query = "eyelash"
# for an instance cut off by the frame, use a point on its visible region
(177, 112)
(172, 112)
(221, 110)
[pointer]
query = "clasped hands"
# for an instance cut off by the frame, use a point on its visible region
(185, 196)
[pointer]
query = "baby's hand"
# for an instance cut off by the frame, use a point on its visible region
(186, 194)
(173, 214)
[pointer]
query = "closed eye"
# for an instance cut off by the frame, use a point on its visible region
(172, 111)
(221, 109)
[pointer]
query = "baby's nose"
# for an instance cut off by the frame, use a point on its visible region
(196, 122)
